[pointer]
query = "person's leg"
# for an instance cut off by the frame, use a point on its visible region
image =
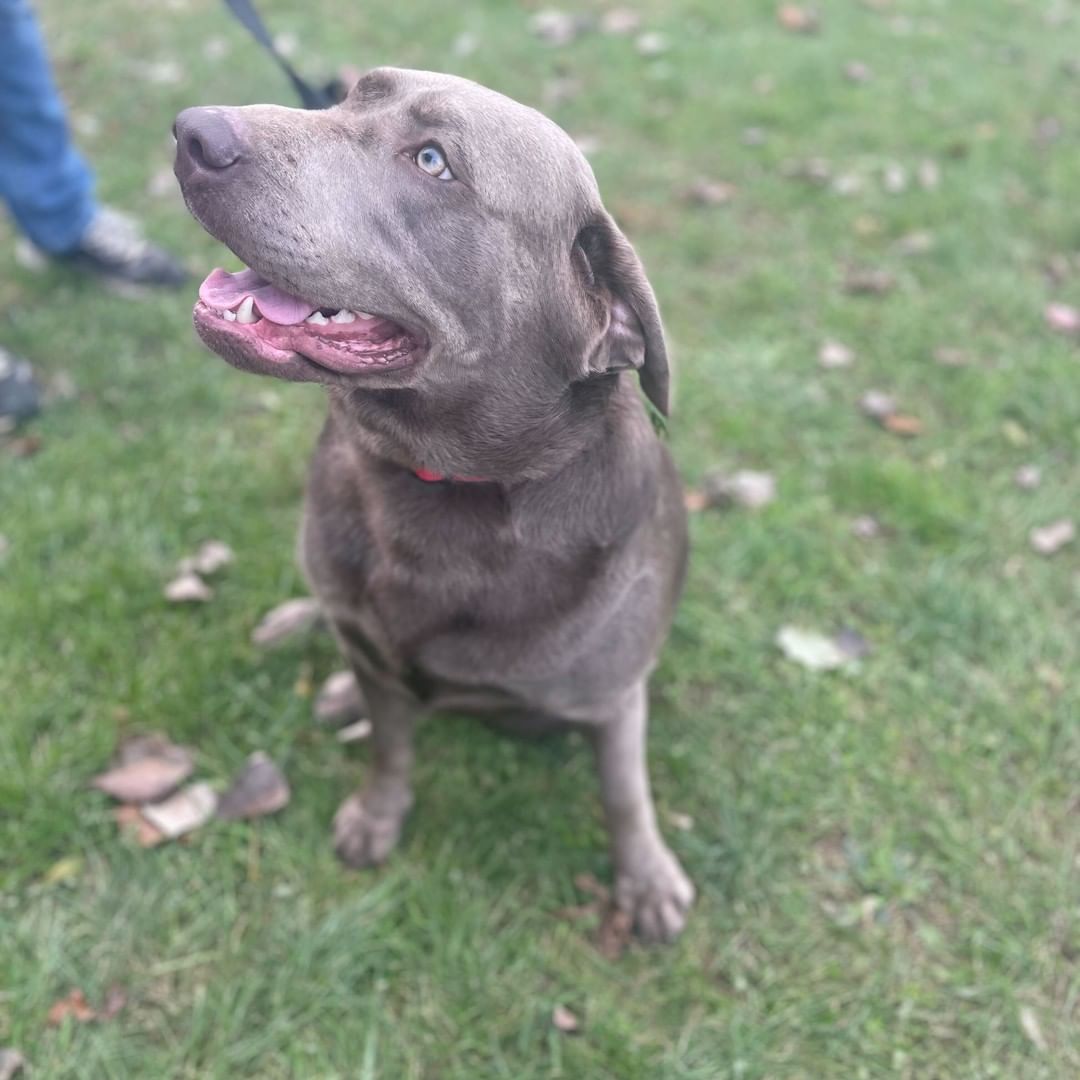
(43, 179)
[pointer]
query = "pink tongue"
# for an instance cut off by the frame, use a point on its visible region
(223, 291)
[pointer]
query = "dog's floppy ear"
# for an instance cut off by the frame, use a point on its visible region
(632, 335)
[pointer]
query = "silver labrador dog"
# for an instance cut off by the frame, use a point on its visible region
(491, 523)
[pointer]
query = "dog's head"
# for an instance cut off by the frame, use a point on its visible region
(427, 234)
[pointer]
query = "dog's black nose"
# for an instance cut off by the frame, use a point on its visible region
(205, 142)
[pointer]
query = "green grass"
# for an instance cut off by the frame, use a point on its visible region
(887, 860)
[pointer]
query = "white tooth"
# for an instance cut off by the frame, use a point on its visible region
(317, 318)
(245, 313)
(364, 315)
(229, 316)
(343, 316)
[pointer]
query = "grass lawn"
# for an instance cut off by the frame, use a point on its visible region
(888, 859)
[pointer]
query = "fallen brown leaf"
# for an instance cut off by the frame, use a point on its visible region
(706, 192)
(902, 424)
(1027, 477)
(24, 446)
(11, 1063)
(286, 621)
(866, 527)
(1029, 1024)
(651, 44)
(810, 649)
(187, 810)
(613, 935)
(695, 500)
(63, 870)
(115, 1002)
(748, 488)
(131, 822)
(339, 697)
(867, 281)
(798, 20)
(74, 1005)
(1050, 539)
(148, 768)
(680, 821)
(949, 356)
(833, 355)
(620, 21)
(591, 886)
(877, 405)
(354, 732)
(857, 72)
(1062, 318)
(557, 27)
(209, 559)
(260, 788)
(565, 1020)
(188, 588)
(916, 243)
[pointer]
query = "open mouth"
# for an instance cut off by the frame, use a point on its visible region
(244, 314)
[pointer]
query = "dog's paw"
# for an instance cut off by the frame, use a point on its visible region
(362, 838)
(657, 894)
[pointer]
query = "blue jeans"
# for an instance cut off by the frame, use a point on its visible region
(46, 184)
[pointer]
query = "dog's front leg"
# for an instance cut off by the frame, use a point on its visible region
(649, 882)
(368, 823)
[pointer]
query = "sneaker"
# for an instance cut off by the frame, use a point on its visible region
(20, 393)
(114, 247)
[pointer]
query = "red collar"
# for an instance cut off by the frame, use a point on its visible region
(430, 477)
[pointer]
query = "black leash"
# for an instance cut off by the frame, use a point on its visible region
(312, 97)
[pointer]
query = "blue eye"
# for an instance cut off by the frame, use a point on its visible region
(432, 160)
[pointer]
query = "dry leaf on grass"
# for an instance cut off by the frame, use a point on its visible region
(919, 242)
(74, 1005)
(188, 588)
(651, 44)
(882, 409)
(704, 192)
(354, 732)
(339, 697)
(620, 21)
(868, 281)
(902, 424)
(950, 356)
(1029, 1024)
(817, 652)
(866, 527)
(797, 19)
(565, 1020)
(591, 886)
(557, 27)
(680, 821)
(148, 768)
(857, 72)
(131, 822)
(613, 936)
(23, 446)
(184, 812)
(260, 788)
(1027, 477)
(748, 488)
(1062, 318)
(833, 355)
(11, 1063)
(209, 559)
(1050, 539)
(63, 870)
(287, 620)
(695, 500)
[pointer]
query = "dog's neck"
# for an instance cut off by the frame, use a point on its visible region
(477, 437)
